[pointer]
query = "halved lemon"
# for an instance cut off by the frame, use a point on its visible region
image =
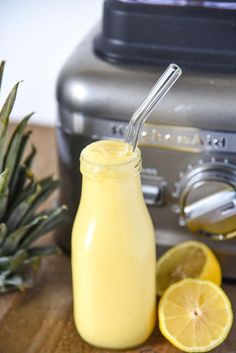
(191, 259)
(195, 315)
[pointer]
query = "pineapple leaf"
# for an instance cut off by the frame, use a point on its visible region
(14, 145)
(18, 213)
(29, 159)
(3, 276)
(2, 64)
(10, 282)
(13, 239)
(17, 169)
(24, 174)
(25, 179)
(54, 218)
(36, 254)
(28, 190)
(3, 232)
(43, 250)
(4, 191)
(34, 262)
(48, 185)
(4, 119)
(13, 263)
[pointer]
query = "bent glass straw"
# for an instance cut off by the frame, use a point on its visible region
(159, 90)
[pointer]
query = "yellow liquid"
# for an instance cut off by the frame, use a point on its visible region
(113, 255)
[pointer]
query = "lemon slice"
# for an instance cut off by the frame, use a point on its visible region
(195, 315)
(191, 259)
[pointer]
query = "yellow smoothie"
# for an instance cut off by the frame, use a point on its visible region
(113, 250)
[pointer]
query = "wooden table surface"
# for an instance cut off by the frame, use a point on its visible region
(40, 320)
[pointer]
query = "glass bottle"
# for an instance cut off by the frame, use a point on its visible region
(113, 251)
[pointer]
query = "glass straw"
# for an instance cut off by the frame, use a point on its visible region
(159, 90)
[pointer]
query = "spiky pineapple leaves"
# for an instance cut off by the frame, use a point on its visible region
(52, 219)
(2, 64)
(4, 120)
(16, 147)
(10, 266)
(15, 238)
(4, 191)
(3, 232)
(20, 196)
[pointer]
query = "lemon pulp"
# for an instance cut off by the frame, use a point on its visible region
(191, 259)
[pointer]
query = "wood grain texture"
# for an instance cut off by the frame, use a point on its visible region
(40, 320)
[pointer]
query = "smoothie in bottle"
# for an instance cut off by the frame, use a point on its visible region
(113, 243)
(113, 250)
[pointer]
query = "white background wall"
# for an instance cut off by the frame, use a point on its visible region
(36, 38)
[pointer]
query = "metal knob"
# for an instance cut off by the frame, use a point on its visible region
(153, 187)
(207, 200)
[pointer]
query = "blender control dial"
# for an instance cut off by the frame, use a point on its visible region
(206, 196)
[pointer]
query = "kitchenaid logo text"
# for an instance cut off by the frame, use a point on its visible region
(213, 140)
(175, 137)
(168, 138)
(188, 138)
